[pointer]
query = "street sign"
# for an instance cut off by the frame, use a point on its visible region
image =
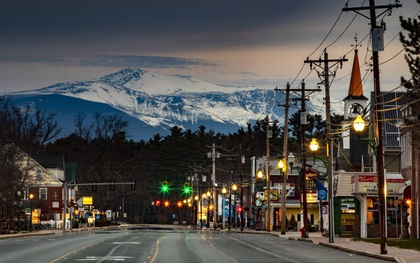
(274, 196)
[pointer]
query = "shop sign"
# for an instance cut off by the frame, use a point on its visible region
(311, 174)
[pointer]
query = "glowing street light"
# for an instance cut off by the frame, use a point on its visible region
(359, 124)
(31, 197)
(314, 145)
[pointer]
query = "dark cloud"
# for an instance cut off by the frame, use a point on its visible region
(222, 41)
(168, 24)
(111, 61)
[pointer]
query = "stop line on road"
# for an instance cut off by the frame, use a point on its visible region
(114, 258)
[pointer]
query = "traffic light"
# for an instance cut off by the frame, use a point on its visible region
(166, 204)
(157, 203)
(239, 208)
(187, 189)
(164, 188)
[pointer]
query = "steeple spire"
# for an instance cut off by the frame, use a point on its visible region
(356, 86)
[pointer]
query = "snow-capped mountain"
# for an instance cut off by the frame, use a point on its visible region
(153, 103)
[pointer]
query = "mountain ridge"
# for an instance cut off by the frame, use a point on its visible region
(161, 101)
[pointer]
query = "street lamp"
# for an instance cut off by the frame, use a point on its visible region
(18, 211)
(314, 145)
(283, 168)
(260, 174)
(359, 125)
(291, 158)
(241, 213)
(31, 197)
(235, 214)
(224, 192)
(233, 188)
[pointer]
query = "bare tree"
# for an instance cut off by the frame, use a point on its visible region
(26, 126)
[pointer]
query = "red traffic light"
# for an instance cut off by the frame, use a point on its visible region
(157, 203)
(239, 208)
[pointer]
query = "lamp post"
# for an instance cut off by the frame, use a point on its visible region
(314, 147)
(282, 169)
(235, 214)
(291, 158)
(241, 213)
(196, 206)
(231, 188)
(359, 125)
(224, 191)
(18, 211)
(31, 197)
(259, 218)
(208, 194)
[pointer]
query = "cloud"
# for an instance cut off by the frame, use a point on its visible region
(112, 61)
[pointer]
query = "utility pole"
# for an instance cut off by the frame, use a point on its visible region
(267, 172)
(325, 74)
(241, 212)
(377, 45)
(268, 135)
(213, 181)
(285, 144)
(303, 120)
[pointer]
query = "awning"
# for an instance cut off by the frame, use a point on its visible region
(405, 192)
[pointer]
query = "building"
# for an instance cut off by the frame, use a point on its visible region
(357, 167)
(410, 169)
(41, 191)
(293, 198)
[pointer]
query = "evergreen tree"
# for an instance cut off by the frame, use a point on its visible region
(411, 43)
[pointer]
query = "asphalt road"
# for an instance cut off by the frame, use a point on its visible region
(156, 246)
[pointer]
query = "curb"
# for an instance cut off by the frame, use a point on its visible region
(361, 252)
(44, 233)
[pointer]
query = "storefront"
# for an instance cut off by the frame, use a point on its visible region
(364, 188)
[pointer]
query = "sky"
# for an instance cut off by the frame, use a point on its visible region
(261, 43)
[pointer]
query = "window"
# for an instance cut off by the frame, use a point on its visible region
(38, 175)
(43, 193)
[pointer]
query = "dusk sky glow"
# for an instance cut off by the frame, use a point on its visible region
(229, 42)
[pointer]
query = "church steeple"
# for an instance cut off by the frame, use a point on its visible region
(355, 102)
(356, 85)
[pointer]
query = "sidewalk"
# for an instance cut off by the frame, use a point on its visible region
(394, 254)
(358, 247)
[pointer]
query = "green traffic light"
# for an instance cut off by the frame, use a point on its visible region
(187, 190)
(164, 187)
